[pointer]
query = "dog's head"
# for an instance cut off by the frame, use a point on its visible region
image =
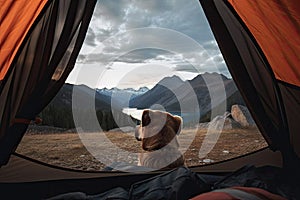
(158, 129)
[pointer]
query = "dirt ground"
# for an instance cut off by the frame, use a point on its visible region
(93, 151)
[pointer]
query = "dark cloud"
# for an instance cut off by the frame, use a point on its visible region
(141, 55)
(187, 67)
(113, 11)
(180, 15)
(113, 17)
(155, 6)
(135, 56)
(218, 58)
(81, 58)
(91, 38)
(92, 58)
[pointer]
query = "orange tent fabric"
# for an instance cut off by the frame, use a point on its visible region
(16, 18)
(223, 195)
(280, 21)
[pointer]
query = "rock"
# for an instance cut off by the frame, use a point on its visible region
(73, 130)
(224, 122)
(229, 123)
(208, 160)
(91, 169)
(242, 115)
(218, 122)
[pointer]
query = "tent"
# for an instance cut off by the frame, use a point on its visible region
(40, 41)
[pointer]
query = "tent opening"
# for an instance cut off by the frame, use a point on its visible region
(135, 57)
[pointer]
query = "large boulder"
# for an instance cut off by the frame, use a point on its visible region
(224, 122)
(221, 122)
(242, 115)
(230, 123)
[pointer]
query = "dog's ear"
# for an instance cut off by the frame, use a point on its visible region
(146, 118)
(178, 124)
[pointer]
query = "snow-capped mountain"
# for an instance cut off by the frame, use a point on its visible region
(128, 91)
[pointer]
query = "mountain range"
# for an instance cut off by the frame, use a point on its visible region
(208, 91)
(115, 90)
(204, 92)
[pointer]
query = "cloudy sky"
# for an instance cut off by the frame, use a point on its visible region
(135, 43)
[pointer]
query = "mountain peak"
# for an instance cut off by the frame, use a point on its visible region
(170, 82)
(202, 78)
(214, 75)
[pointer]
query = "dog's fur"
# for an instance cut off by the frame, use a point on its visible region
(158, 133)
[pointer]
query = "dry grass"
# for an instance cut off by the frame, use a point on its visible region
(67, 150)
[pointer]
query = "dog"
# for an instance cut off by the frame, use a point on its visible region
(158, 132)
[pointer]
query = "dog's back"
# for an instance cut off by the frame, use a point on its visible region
(161, 159)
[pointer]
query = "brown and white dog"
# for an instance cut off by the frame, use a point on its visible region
(158, 133)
